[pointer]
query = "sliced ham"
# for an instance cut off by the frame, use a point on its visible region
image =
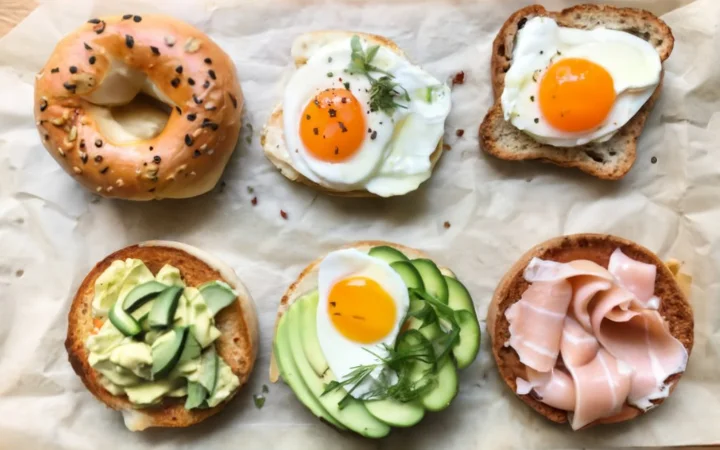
(536, 323)
(615, 347)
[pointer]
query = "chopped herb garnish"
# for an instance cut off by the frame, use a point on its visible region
(259, 400)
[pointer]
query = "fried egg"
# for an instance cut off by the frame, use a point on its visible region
(335, 136)
(567, 86)
(361, 308)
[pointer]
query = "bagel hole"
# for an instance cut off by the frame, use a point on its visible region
(143, 118)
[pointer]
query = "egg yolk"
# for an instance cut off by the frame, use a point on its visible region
(361, 310)
(576, 95)
(332, 126)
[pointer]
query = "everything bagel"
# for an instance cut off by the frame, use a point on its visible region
(105, 64)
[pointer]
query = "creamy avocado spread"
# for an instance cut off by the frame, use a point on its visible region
(150, 360)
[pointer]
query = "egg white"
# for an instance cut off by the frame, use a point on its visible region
(632, 62)
(398, 159)
(342, 354)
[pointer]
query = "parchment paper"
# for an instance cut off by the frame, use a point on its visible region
(52, 231)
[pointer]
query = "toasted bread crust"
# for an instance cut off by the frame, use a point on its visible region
(237, 345)
(609, 160)
(674, 307)
(283, 164)
(307, 281)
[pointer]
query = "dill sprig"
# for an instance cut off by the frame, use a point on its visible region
(383, 91)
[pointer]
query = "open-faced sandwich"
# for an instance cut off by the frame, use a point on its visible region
(591, 329)
(162, 332)
(357, 117)
(371, 336)
(575, 87)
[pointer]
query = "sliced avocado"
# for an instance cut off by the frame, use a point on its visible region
(191, 349)
(311, 347)
(166, 354)
(217, 295)
(467, 347)
(208, 371)
(433, 280)
(387, 254)
(291, 376)
(142, 312)
(458, 296)
(353, 415)
(411, 277)
(196, 395)
(123, 321)
(164, 306)
(142, 293)
(447, 272)
(395, 413)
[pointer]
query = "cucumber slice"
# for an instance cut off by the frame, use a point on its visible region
(467, 347)
(163, 309)
(387, 254)
(433, 280)
(196, 395)
(447, 387)
(141, 294)
(458, 296)
(123, 321)
(191, 349)
(166, 355)
(409, 274)
(217, 295)
(208, 369)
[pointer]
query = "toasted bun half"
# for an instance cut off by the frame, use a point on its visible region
(272, 138)
(674, 307)
(307, 281)
(237, 345)
(610, 160)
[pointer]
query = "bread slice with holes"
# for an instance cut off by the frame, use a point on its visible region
(671, 286)
(272, 138)
(237, 345)
(610, 160)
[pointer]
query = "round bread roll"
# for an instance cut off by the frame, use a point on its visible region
(237, 345)
(172, 142)
(674, 308)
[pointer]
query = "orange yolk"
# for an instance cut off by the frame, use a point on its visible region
(332, 126)
(361, 310)
(576, 95)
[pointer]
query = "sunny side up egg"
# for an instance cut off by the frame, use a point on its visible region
(362, 305)
(335, 134)
(567, 87)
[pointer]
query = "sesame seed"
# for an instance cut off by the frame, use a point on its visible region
(137, 19)
(179, 69)
(70, 86)
(98, 143)
(206, 84)
(373, 135)
(179, 111)
(192, 45)
(191, 117)
(77, 170)
(62, 153)
(73, 69)
(129, 41)
(155, 50)
(536, 120)
(84, 157)
(196, 99)
(188, 140)
(157, 159)
(55, 70)
(169, 41)
(207, 123)
(73, 134)
(94, 21)
(175, 82)
(212, 74)
(91, 60)
(99, 26)
(104, 170)
(87, 47)
(207, 61)
(120, 183)
(127, 16)
(210, 106)
(109, 189)
(233, 100)
(196, 154)
(191, 82)
(43, 104)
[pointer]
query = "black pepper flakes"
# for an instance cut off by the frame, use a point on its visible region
(155, 50)
(207, 61)
(307, 117)
(94, 21)
(175, 82)
(126, 16)
(129, 41)
(98, 159)
(73, 69)
(283, 214)
(196, 99)
(98, 143)
(253, 201)
(157, 159)
(653, 160)
(87, 47)
(212, 74)
(55, 70)
(536, 120)
(459, 133)
(233, 100)
(196, 154)
(191, 117)
(532, 98)
(316, 131)
(347, 85)
(342, 126)
(92, 60)
(373, 136)
(459, 78)
(188, 140)
(337, 150)
(332, 112)
(179, 69)
(137, 19)
(446, 225)
(191, 82)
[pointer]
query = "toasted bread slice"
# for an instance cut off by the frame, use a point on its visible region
(307, 282)
(272, 138)
(674, 307)
(237, 345)
(609, 160)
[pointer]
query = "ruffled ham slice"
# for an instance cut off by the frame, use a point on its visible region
(615, 348)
